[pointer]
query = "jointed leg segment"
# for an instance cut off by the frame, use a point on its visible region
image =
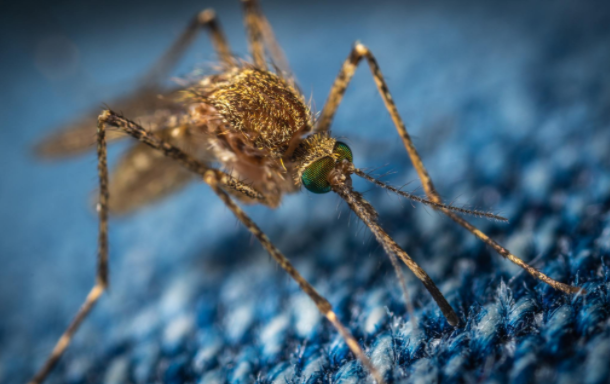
(261, 36)
(358, 205)
(101, 281)
(348, 69)
(255, 34)
(206, 19)
(338, 90)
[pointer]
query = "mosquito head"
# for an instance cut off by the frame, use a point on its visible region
(324, 164)
(321, 161)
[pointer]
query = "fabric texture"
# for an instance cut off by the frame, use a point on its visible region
(509, 107)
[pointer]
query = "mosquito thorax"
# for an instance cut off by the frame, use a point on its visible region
(267, 110)
(316, 158)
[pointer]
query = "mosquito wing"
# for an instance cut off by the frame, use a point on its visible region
(145, 175)
(80, 136)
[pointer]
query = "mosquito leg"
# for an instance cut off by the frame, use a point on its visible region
(506, 254)
(366, 213)
(129, 127)
(101, 282)
(206, 19)
(273, 48)
(348, 69)
(261, 37)
(350, 65)
(253, 23)
(323, 305)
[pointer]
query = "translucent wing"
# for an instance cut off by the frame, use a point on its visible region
(80, 135)
(145, 175)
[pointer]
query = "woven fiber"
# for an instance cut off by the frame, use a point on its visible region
(509, 105)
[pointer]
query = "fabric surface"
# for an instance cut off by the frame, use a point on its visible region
(509, 107)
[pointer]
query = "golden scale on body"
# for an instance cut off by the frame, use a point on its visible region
(252, 120)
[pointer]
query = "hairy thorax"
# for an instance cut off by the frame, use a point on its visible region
(255, 120)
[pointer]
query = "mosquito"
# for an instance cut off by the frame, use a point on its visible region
(246, 131)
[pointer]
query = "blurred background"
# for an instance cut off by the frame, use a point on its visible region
(508, 103)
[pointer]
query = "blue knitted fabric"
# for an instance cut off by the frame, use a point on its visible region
(509, 107)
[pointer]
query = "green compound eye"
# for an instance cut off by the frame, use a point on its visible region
(315, 177)
(343, 152)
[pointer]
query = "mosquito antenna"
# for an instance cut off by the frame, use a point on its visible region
(433, 204)
(365, 211)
